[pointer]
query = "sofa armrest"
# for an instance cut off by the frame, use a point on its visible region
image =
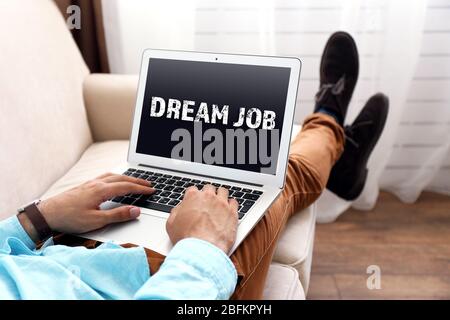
(296, 243)
(110, 101)
(282, 284)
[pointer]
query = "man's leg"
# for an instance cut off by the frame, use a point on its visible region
(313, 153)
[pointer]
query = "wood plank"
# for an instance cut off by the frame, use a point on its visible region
(324, 288)
(394, 287)
(409, 242)
(392, 259)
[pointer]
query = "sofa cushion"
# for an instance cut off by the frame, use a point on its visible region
(99, 158)
(43, 124)
(282, 283)
(296, 244)
(110, 100)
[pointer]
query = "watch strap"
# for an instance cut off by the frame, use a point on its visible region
(37, 219)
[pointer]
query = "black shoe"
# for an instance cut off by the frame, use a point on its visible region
(338, 75)
(348, 176)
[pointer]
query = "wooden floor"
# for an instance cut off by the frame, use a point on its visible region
(410, 243)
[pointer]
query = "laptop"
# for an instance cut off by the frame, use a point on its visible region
(206, 118)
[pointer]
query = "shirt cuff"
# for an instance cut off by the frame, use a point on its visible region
(210, 261)
(12, 228)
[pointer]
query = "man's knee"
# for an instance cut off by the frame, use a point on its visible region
(304, 182)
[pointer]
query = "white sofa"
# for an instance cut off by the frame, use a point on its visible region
(61, 125)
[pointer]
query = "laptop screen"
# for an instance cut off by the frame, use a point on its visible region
(218, 114)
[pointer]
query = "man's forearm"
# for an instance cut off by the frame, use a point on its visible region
(194, 269)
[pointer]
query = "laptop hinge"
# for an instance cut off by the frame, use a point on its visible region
(201, 175)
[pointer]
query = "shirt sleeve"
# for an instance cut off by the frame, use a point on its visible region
(194, 269)
(12, 228)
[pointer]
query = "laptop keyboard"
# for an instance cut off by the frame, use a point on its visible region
(170, 191)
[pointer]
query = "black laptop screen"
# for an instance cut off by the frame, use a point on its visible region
(214, 113)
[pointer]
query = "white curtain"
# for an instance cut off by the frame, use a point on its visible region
(404, 52)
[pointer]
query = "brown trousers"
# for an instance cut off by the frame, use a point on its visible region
(312, 155)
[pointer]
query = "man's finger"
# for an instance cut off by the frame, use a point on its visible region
(222, 193)
(122, 188)
(173, 214)
(209, 188)
(234, 204)
(122, 178)
(120, 214)
(189, 192)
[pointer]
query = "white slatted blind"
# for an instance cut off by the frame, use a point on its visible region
(301, 28)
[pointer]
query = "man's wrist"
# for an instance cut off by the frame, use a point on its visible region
(223, 245)
(210, 260)
(28, 227)
(34, 222)
(45, 209)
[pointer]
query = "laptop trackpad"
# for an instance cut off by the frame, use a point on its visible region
(146, 231)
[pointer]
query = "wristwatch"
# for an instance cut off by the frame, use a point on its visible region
(37, 220)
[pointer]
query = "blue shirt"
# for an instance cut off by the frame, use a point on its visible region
(194, 269)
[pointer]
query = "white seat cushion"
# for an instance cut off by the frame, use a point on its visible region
(283, 284)
(99, 158)
(296, 244)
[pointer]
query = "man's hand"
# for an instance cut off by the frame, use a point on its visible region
(77, 210)
(205, 215)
